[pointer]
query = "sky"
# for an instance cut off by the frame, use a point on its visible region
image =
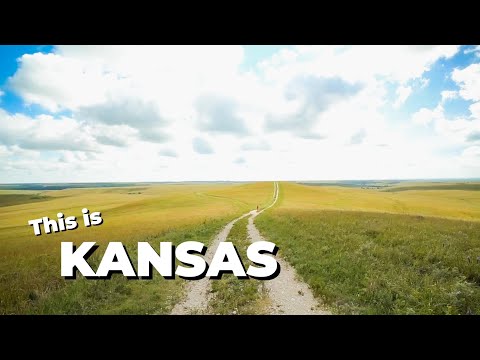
(238, 113)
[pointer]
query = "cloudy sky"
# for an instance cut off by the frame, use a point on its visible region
(173, 113)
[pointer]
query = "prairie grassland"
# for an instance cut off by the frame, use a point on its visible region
(474, 186)
(30, 265)
(454, 204)
(374, 252)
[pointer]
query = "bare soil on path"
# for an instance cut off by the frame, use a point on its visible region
(198, 291)
(288, 294)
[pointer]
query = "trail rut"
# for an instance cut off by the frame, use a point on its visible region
(288, 294)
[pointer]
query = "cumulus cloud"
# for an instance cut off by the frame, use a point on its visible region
(124, 100)
(468, 79)
(358, 137)
(474, 136)
(154, 135)
(219, 114)
(312, 96)
(135, 113)
(44, 132)
(56, 82)
(475, 110)
(168, 153)
(448, 131)
(256, 146)
(472, 151)
(397, 63)
(128, 111)
(426, 116)
(470, 157)
(201, 146)
(449, 94)
(475, 49)
(114, 135)
(403, 92)
(74, 157)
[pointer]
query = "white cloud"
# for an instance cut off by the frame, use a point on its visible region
(153, 113)
(76, 76)
(256, 145)
(426, 116)
(470, 158)
(168, 153)
(201, 146)
(449, 94)
(468, 79)
(475, 50)
(403, 92)
(395, 62)
(424, 82)
(44, 132)
(455, 132)
(475, 110)
(239, 160)
(358, 137)
(218, 114)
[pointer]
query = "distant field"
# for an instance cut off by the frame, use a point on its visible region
(15, 199)
(30, 279)
(400, 185)
(375, 252)
(455, 204)
(63, 186)
(455, 186)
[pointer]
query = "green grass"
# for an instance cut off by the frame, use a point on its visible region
(454, 204)
(120, 295)
(30, 280)
(374, 263)
(444, 186)
(16, 199)
(236, 296)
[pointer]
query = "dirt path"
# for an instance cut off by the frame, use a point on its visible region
(288, 295)
(198, 290)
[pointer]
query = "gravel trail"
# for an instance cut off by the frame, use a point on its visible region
(287, 293)
(198, 290)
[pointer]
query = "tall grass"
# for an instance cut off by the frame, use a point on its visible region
(374, 263)
(120, 295)
(30, 280)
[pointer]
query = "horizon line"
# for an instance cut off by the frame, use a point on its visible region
(245, 181)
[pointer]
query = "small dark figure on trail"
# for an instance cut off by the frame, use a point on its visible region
(257, 208)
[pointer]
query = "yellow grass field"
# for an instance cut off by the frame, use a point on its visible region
(454, 204)
(398, 250)
(30, 265)
(401, 249)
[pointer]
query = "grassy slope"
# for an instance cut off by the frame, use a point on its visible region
(374, 262)
(455, 204)
(236, 296)
(15, 199)
(30, 266)
(436, 186)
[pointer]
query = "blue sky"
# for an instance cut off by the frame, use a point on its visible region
(80, 113)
